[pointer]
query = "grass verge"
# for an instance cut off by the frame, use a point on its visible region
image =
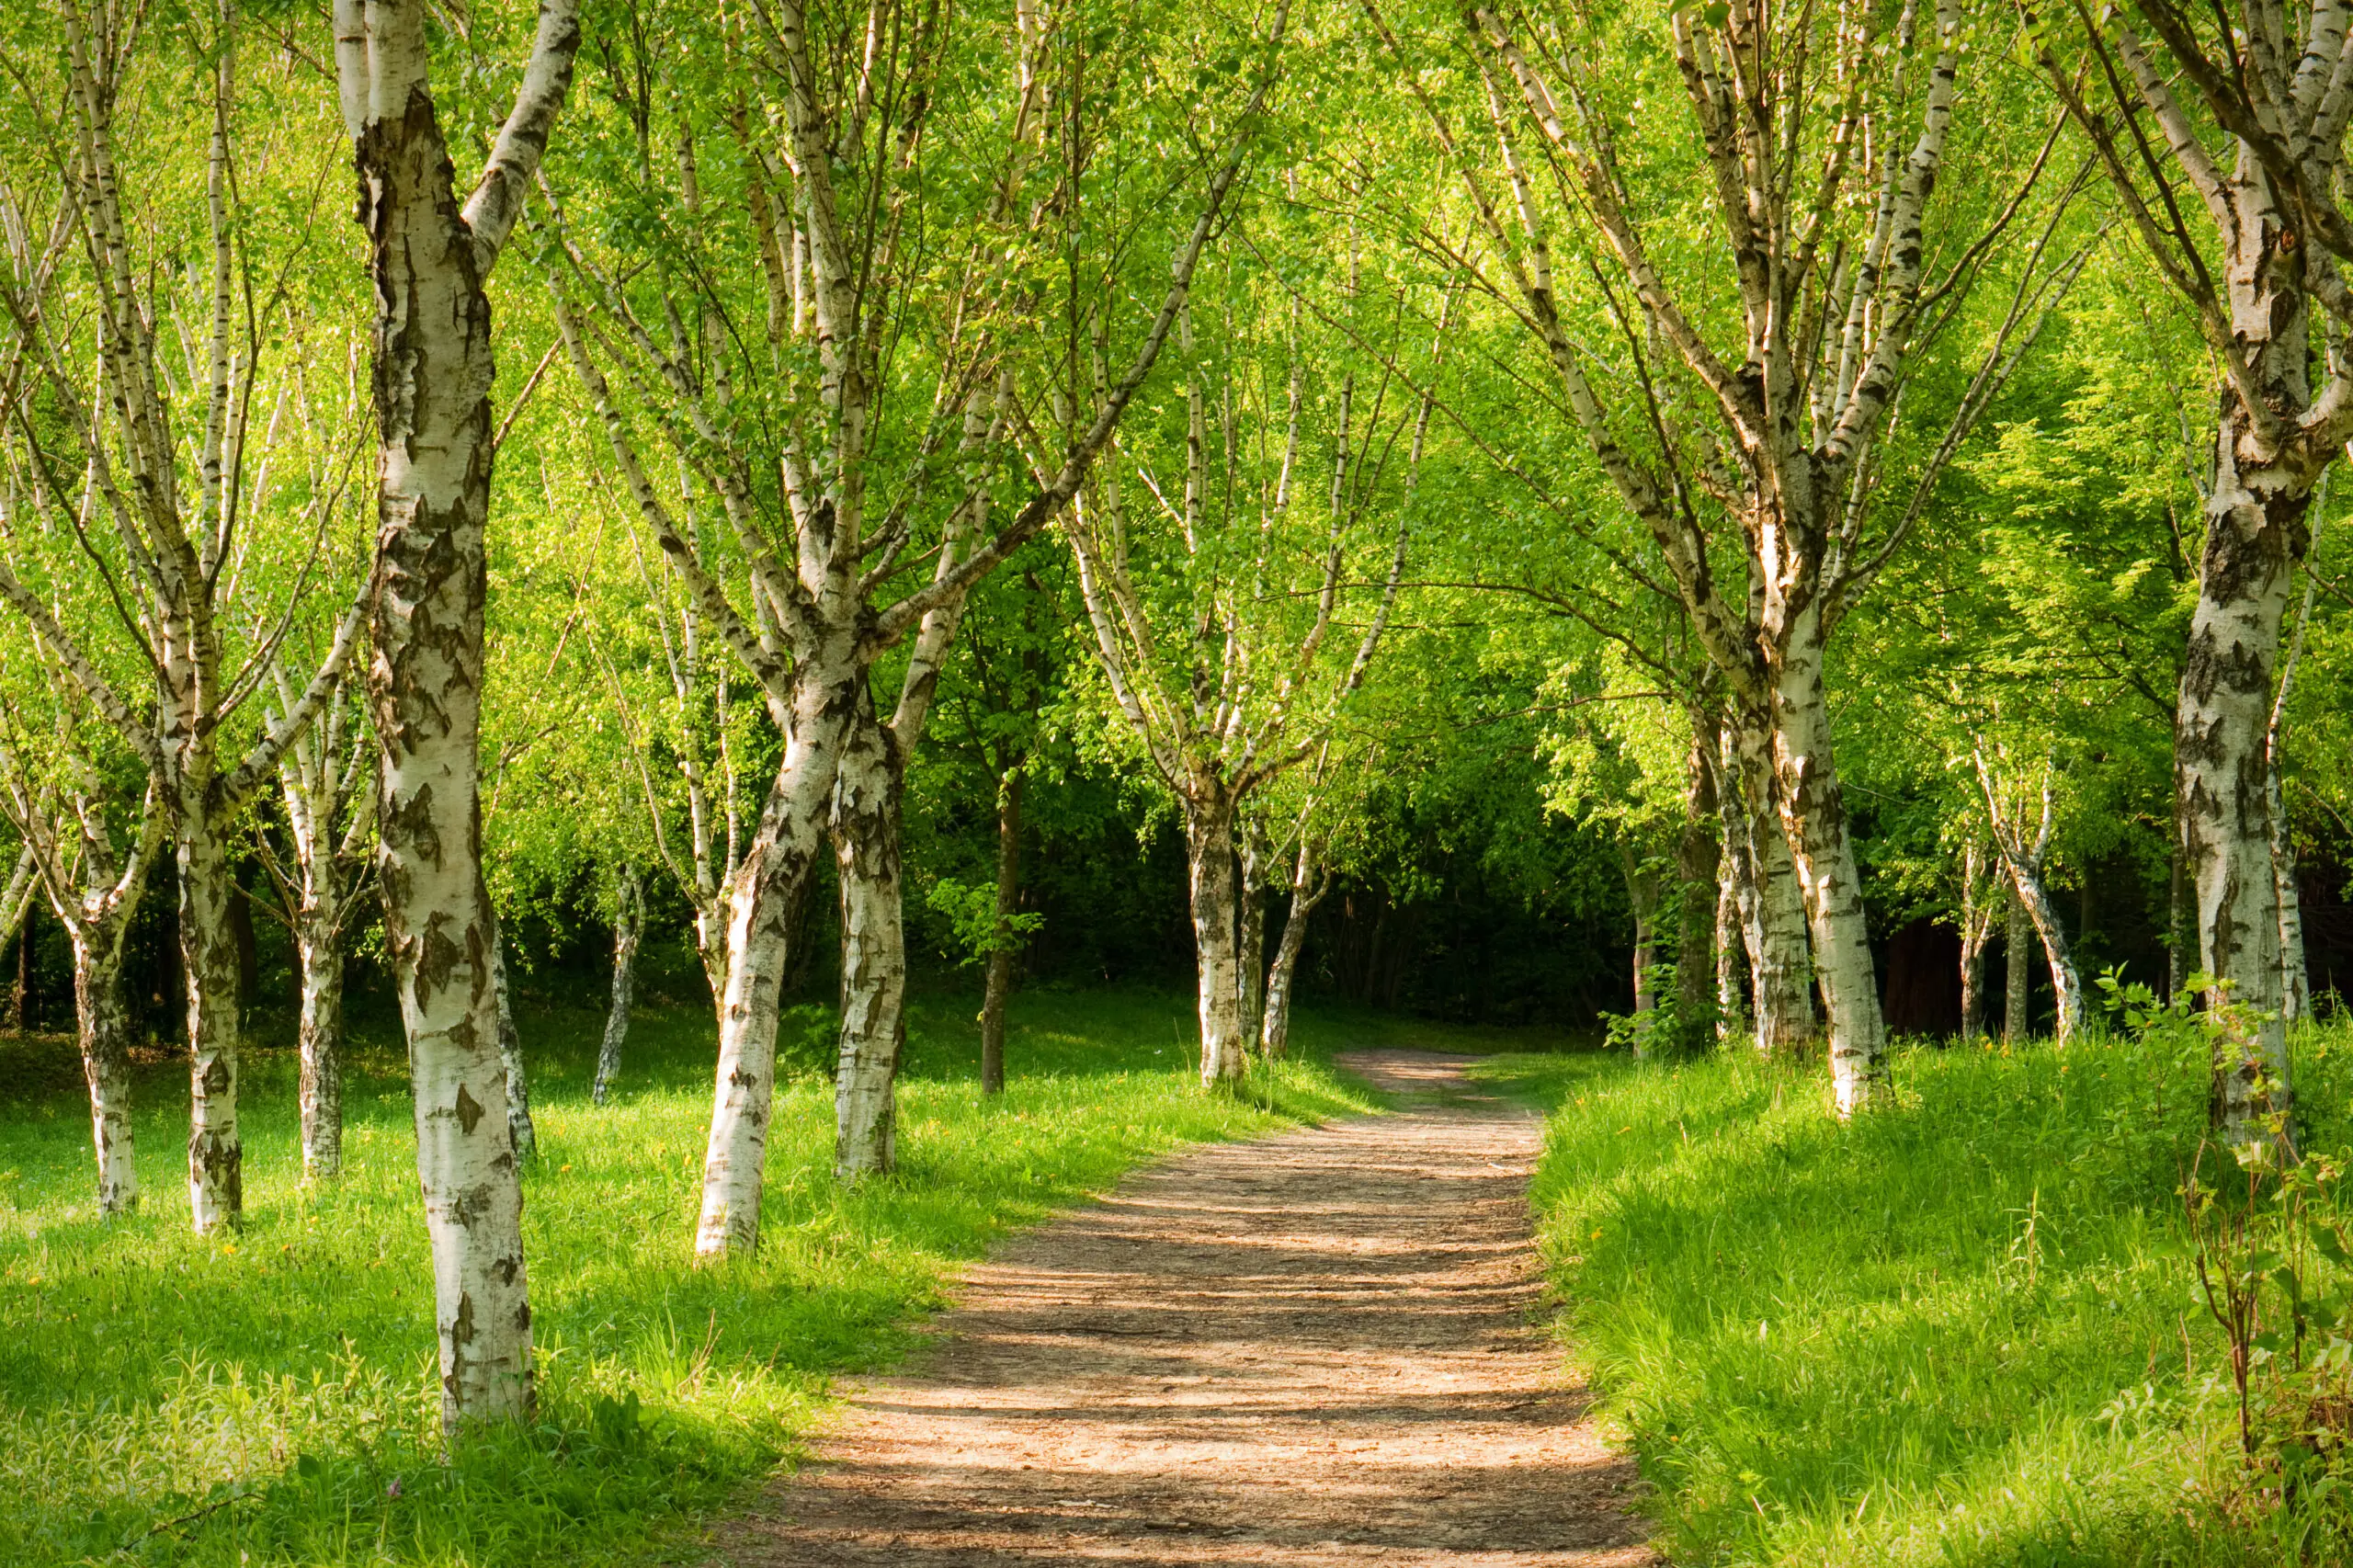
(1962, 1330)
(272, 1399)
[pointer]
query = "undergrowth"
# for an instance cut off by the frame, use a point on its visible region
(272, 1398)
(1966, 1328)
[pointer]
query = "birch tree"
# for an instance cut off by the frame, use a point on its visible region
(430, 258)
(1757, 416)
(91, 848)
(326, 784)
(841, 226)
(2247, 114)
(146, 459)
(2023, 860)
(1214, 625)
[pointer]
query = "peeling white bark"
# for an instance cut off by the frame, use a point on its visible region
(1209, 850)
(874, 960)
(433, 373)
(1310, 880)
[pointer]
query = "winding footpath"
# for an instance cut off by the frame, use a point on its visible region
(1309, 1350)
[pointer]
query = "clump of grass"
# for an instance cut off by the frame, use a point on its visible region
(1963, 1329)
(272, 1398)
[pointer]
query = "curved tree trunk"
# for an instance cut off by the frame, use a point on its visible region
(1814, 815)
(1002, 955)
(628, 925)
(1309, 883)
(103, 1023)
(319, 955)
(2066, 986)
(1208, 848)
(874, 954)
(764, 899)
(735, 1154)
(209, 962)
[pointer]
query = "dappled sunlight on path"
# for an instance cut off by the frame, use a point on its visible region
(1308, 1350)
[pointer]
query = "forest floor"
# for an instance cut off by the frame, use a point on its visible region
(1319, 1347)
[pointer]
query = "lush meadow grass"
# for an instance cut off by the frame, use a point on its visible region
(272, 1398)
(1962, 1330)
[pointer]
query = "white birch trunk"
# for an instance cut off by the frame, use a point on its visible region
(2066, 986)
(209, 961)
(319, 958)
(1250, 939)
(874, 959)
(433, 373)
(1732, 998)
(1814, 815)
(103, 1024)
(2295, 985)
(628, 925)
(1208, 848)
(1780, 957)
(765, 890)
(1309, 883)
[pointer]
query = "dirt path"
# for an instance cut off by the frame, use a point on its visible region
(1309, 1350)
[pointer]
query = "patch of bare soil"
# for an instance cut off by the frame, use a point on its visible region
(1309, 1350)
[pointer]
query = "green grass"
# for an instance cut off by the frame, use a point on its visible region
(273, 1399)
(1961, 1330)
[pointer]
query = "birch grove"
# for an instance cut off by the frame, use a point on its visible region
(160, 379)
(826, 207)
(1773, 437)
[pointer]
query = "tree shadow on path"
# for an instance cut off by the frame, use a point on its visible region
(1308, 1350)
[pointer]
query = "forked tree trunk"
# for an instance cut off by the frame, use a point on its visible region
(525, 1136)
(628, 924)
(319, 957)
(2017, 956)
(1814, 815)
(209, 961)
(874, 955)
(1209, 848)
(433, 373)
(2066, 986)
(1309, 883)
(763, 900)
(103, 1023)
(1002, 956)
